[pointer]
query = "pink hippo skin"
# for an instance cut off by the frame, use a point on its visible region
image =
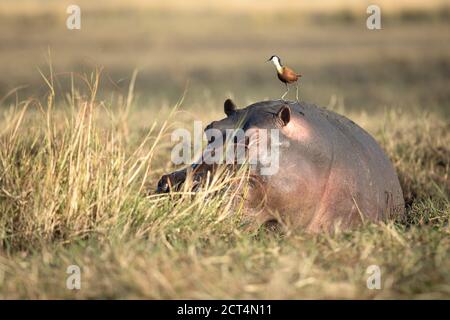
(331, 172)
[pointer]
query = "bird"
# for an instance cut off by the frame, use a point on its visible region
(285, 74)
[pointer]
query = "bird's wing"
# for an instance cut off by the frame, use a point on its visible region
(291, 74)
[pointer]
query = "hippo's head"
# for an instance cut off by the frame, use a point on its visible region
(245, 127)
(254, 128)
(262, 115)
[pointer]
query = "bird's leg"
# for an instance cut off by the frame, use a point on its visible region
(287, 90)
(296, 93)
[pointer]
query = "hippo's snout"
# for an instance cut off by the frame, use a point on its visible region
(163, 184)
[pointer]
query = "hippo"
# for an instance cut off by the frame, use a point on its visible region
(332, 173)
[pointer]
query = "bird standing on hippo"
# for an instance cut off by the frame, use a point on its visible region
(285, 75)
(331, 172)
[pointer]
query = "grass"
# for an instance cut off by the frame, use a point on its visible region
(81, 152)
(74, 190)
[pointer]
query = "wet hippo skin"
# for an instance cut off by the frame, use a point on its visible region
(331, 173)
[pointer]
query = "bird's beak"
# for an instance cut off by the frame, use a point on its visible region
(268, 60)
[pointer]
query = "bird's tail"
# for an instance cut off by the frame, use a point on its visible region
(299, 75)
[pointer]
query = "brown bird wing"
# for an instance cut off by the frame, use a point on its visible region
(290, 75)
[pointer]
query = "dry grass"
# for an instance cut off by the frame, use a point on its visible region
(73, 191)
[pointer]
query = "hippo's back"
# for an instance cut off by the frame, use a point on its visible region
(358, 164)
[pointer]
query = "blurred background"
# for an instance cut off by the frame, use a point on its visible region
(219, 49)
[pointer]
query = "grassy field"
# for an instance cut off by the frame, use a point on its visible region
(84, 139)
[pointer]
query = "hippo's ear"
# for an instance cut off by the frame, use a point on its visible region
(284, 114)
(229, 107)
